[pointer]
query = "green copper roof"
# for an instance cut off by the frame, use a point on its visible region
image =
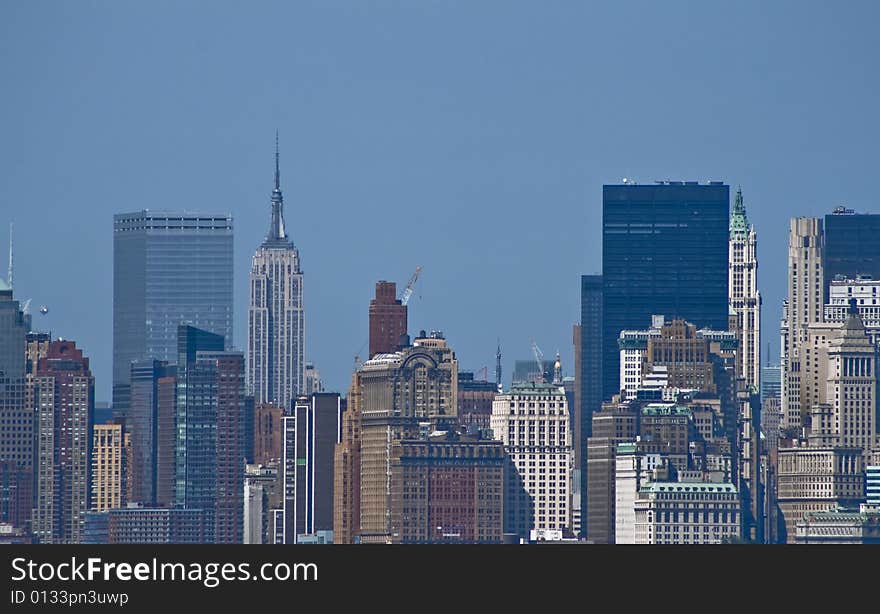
(739, 223)
(4, 287)
(665, 409)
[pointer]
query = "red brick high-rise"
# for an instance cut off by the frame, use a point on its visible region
(387, 319)
(64, 407)
(267, 433)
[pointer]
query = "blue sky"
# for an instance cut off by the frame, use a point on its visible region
(471, 138)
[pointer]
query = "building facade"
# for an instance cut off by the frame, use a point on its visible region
(210, 446)
(136, 524)
(817, 479)
(268, 436)
(840, 526)
(150, 424)
(310, 435)
(687, 513)
(276, 316)
(16, 414)
(771, 381)
(448, 488)
(872, 483)
(589, 382)
(617, 423)
(664, 251)
(633, 469)
(851, 385)
(475, 401)
(262, 495)
(108, 467)
(65, 402)
(851, 246)
(400, 395)
(169, 268)
(533, 423)
(388, 317)
(347, 469)
(745, 300)
(806, 299)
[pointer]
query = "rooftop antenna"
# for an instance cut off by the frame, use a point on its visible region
(277, 166)
(498, 366)
(9, 277)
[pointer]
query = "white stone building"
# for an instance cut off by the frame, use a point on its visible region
(533, 422)
(744, 298)
(276, 315)
(687, 513)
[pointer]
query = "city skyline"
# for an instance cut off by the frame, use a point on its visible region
(549, 188)
(498, 141)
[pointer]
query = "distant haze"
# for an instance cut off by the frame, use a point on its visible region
(470, 138)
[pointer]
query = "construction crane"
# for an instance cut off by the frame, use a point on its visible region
(539, 359)
(407, 292)
(357, 357)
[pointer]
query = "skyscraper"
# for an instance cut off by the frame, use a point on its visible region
(590, 381)
(851, 385)
(65, 403)
(169, 268)
(395, 395)
(276, 316)
(664, 251)
(347, 469)
(615, 423)
(806, 299)
(210, 434)
(532, 421)
(16, 415)
(745, 300)
(150, 424)
(851, 245)
(310, 435)
(387, 319)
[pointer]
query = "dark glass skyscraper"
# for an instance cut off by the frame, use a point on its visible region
(310, 435)
(150, 423)
(590, 384)
(211, 428)
(16, 417)
(852, 246)
(169, 268)
(664, 251)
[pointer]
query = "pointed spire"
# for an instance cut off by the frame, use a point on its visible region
(739, 222)
(738, 206)
(276, 225)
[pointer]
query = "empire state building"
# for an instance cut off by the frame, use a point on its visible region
(276, 319)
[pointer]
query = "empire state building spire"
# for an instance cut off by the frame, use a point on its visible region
(276, 227)
(276, 315)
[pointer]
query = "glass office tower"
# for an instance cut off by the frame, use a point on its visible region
(169, 268)
(664, 251)
(591, 379)
(851, 245)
